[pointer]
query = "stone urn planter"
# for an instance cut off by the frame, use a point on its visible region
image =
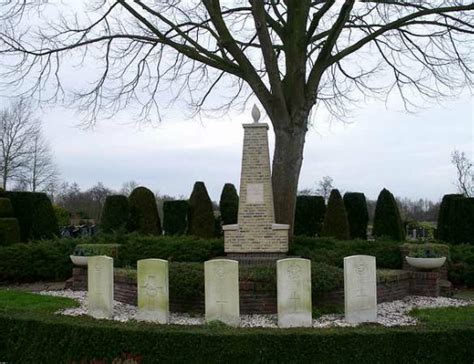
(79, 260)
(426, 263)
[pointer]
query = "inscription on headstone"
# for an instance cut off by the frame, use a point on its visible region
(153, 290)
(255, 193)
(222, 291)
(360, 289)
(294, 292)
(100, 283)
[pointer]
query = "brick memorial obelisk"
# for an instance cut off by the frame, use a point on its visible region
(256, 236)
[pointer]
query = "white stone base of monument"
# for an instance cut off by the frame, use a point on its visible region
(221, 277)
(294, 293)
(360, 289)
(100, 283)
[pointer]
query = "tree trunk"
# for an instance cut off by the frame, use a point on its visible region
(287, 162)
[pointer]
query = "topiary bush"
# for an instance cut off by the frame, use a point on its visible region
(309, 215)
(35, 215)
(462, 227)
(444, 230)
(115, 214)
(9, 228)
(200, 212)
(144, 217)
(229, 204)
(387, 220)
(335, 221)
(357, 214)
(175, 217)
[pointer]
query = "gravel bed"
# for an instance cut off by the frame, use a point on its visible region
(390, 314)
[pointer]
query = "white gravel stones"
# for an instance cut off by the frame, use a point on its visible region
(389, 313)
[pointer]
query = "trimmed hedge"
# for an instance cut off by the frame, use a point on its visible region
(201, 221)
(335, 223)
(461, 267)
(445, 217)
(115, 214)
(9, 227)
(332, 252)
(175, 217)
(309, 215)
(26, 334)
(144, 217)
(35, 215)
(88, 250)
(463, 221)
(387, 220)
(38, 261)
(357, 214)
(229, 204)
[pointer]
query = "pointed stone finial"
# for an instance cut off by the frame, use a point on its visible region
(255, 114)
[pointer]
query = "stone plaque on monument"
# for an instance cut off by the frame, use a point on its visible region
(360, 289)
(153, 290)
(255, 193)
(294, 292)
(100, 286)
(222, 291)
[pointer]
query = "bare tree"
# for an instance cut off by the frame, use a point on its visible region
(40, 174)
(128, 187)
(465, 173)
(324, 187)
(292, 55)
(17, 129)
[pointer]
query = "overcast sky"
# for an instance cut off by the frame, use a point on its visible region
(407, 153)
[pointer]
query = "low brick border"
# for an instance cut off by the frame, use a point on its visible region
(255, 297)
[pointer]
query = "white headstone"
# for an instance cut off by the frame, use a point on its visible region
(294, 292)
(153, 290)
(360, 289)
(100, 283)
(222, 291)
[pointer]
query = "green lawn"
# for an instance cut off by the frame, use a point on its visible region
(18, 301)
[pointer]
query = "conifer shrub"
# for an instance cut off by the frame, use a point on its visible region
(175, 215)
(144, 217)
(115, 214)
(462, 225)
(6, 209)
(35, 215)
(387, 220)
(335, 221)
(357, 214)
(229, 204)
(62, 215)
(309, 215)
(444, 230)
(200, 212)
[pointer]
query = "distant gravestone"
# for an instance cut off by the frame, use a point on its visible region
(100, 282)
(153, 290)
(222, 291)
(360, 289)
(294, 292)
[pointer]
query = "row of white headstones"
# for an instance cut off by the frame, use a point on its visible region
(222, 290)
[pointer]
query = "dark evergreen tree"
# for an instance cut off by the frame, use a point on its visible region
(200, 213)
(387, 220)
(445, 217)
(115, 214)
(175, 215)
(9, 228)
(309, 215)
(229, 204)
(144, 217)
(462, 228)
(357, 214)
(35, 215)
(335, 221)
